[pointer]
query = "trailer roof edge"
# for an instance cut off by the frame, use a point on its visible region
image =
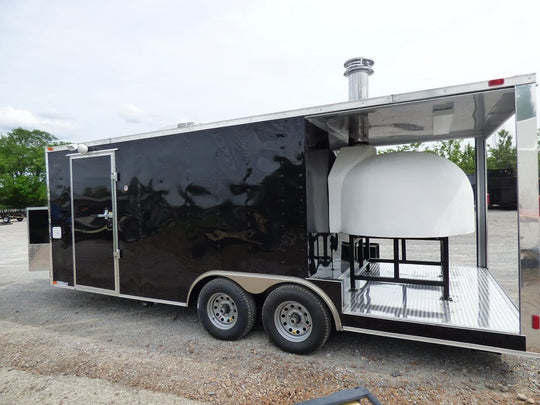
(322, 109)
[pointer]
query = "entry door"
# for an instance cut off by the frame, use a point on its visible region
(94, 221)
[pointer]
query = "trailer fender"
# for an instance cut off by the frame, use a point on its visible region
(259, 283)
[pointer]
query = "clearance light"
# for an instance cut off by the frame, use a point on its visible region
(536, 322)
(495, 82)
(50, 148)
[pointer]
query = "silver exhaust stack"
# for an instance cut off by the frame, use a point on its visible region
(358, 71)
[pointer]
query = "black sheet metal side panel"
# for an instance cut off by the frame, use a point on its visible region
(229, 198)
(479, 337)
(60, 207)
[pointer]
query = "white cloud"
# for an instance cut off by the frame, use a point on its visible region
(132, 114)
(11, 118)
(130, 70)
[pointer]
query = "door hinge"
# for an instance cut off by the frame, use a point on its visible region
(117, 254)
(115, 176)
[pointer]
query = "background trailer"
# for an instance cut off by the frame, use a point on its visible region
(287, 211)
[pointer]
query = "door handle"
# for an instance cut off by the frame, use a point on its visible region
(106, 214)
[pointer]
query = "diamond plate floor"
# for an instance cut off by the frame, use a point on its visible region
(477, 301)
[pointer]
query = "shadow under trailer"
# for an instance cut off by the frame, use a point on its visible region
(287, 212)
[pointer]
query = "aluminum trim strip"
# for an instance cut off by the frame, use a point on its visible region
(49, 215)
(119, 295)
(464, 88)
(528, 215)
(91, 153)
(112, 162)
(481, 203)
(116, 247)
(440, 341)
(72, 221)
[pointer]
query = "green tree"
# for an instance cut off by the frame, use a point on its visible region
(410, 147)
(22, 167)
(503, 155)
(468, 159)
(450, 149)
(459, 152)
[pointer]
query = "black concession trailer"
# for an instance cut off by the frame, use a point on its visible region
(271, 207)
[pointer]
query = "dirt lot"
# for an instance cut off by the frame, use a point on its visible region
(59, 346)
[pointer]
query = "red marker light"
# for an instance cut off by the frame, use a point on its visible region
(496, 82)
(49, 148)
(536, 322)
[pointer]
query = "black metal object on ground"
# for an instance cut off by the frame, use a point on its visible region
(344, 397)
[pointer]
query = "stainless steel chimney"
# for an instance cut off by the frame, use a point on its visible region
(358, 71)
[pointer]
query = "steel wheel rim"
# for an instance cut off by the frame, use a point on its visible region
(222, 311)
(293, 321)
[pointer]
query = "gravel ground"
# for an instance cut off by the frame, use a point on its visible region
(59, 346)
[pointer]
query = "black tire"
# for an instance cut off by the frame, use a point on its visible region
(19, 219)
(226, 310)
(296, 319)
(6, 219)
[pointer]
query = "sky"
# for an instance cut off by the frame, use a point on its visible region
(89, 70)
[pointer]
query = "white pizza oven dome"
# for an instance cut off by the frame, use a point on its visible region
(406, 195)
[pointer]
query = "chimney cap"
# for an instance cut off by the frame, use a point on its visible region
(358, 65)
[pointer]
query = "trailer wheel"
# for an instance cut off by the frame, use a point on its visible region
(296, 319)
(20, 219)
(6, 219)
(226, 310)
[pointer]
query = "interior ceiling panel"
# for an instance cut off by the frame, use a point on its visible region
(423, 120)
